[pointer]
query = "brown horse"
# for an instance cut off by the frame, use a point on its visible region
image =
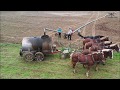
(108, 53)
(93, 45)
(86, 51)
(88, 60)
(89, 40)
(90, 50)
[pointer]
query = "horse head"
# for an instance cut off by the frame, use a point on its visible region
(104, 39)
(108, 53)
(115, 47)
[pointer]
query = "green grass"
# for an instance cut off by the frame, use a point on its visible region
(12, 66)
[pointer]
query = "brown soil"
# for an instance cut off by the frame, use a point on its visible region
(16, 25)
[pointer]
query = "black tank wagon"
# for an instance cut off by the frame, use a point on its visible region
(35, 48)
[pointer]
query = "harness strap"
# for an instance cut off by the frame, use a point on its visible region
(93, 58)
(89, 49)
(86, 60)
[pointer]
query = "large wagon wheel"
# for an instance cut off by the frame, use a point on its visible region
(39, 56)
(28, 56)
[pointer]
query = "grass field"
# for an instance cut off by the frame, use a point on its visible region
(12, 66)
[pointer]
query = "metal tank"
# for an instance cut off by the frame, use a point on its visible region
(34, 48)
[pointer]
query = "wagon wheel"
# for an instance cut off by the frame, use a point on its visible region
(28, 56)
(39, 56)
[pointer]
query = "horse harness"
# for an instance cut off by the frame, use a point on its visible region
(86, 59)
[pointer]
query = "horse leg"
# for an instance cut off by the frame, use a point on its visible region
(88, 69)
(84, 66)
(73, 65)
(103, 62)
(96, 67)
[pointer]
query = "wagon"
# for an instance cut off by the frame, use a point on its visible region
(35, 48)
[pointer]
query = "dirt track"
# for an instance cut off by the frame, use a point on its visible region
(16, 25)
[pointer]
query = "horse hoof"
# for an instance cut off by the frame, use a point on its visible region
(87, 74)
(73, 71)
(103, 63)
(96, 69)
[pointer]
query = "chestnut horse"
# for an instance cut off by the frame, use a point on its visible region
(89, 40)
(93, 45)
(88, 60)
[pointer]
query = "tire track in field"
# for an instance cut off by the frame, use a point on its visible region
(93, 28)
(84, 30)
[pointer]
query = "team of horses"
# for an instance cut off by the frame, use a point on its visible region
(96, 50)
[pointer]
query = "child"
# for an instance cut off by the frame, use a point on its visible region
(59, 32)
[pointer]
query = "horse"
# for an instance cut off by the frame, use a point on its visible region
(108, 53)
(91, 37)
(113, 47)
(107, 43)
(93, 45)
(89, 40)
(88, 60)
(86, 51)
(104, 39)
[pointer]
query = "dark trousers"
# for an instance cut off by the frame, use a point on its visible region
(69, 36)
(59, 35)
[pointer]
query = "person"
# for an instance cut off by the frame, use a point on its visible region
(70, 32)
(44, 32)
(59, 32)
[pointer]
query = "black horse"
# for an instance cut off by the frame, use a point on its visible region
(91, 37)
